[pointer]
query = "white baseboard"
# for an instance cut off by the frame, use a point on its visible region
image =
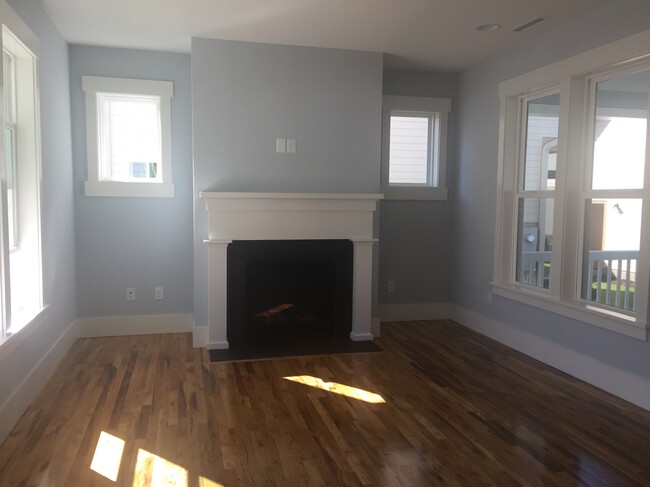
(16, 405)
(217, 345)
(413, 312)
(628, 386)
(134, 325)
(199, 336)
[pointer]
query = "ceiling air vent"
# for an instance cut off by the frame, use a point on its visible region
(531, 23)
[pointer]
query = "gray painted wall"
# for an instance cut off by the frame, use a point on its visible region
(476, 176)
(245, 95)
(134, 242)
(414, 236)
(58, 245)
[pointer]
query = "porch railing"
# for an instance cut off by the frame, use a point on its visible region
(617, 270)
(610, 280)
(531, 268)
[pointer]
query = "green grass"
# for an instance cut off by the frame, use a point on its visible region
(612, 294)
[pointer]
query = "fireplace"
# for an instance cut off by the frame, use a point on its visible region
(269, 221)
(289, 290)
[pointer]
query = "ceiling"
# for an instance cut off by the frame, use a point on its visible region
(414, 34)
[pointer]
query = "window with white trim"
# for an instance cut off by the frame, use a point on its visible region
(575, 187)
(128, 129)
(9, 79)
(414, 147)
(20, 260)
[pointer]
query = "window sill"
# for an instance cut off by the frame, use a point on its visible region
(129, 190)
(33, 321)
(617, 323)
(414, 193)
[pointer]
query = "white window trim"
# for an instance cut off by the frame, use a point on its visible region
(92, 85)
(569, 75)
(416, 104)
(25, 45)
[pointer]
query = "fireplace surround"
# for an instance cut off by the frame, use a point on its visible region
(234, 217)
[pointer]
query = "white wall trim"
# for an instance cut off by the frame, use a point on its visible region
(134, 325)
(200, 336)
(16, 404)
(414, 312)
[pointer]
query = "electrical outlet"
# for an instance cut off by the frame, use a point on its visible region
(130, 294)
(280, 146)
(391, 286)
(291, 146)
(159, 294)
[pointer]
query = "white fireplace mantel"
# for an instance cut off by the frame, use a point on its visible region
(289, 216)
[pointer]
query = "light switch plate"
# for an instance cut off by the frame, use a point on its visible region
(280, 146)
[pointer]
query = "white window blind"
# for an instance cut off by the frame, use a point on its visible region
(130, 137)
(409, 150)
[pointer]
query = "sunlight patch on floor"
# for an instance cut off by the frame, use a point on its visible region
(108, 456)
(203, 482)
(341, 389)
(152, 470)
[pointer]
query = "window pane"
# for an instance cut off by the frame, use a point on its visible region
(130, 137)
(12, 209)
(409, 150)
(620, 132)
(535, 241)
(541, 142)
(611, 251)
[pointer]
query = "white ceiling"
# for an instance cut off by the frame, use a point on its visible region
(415, 34)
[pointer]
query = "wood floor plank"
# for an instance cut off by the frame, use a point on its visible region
(459, 409)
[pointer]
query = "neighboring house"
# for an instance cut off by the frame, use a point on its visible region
(229, 100)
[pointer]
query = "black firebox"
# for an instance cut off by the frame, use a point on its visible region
(289, 290)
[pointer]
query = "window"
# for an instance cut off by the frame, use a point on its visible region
(128, 125)
(20, 261)
(9, 79)
(572, 232)
(414, 147)
(536, 195)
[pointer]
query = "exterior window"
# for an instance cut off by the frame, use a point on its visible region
(414, 147)
(20, 260)
(573, 235)
(410, 160)
(129, 131)
(537, 195)
(613, 198)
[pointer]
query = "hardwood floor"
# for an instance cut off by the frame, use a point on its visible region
(459, 409)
